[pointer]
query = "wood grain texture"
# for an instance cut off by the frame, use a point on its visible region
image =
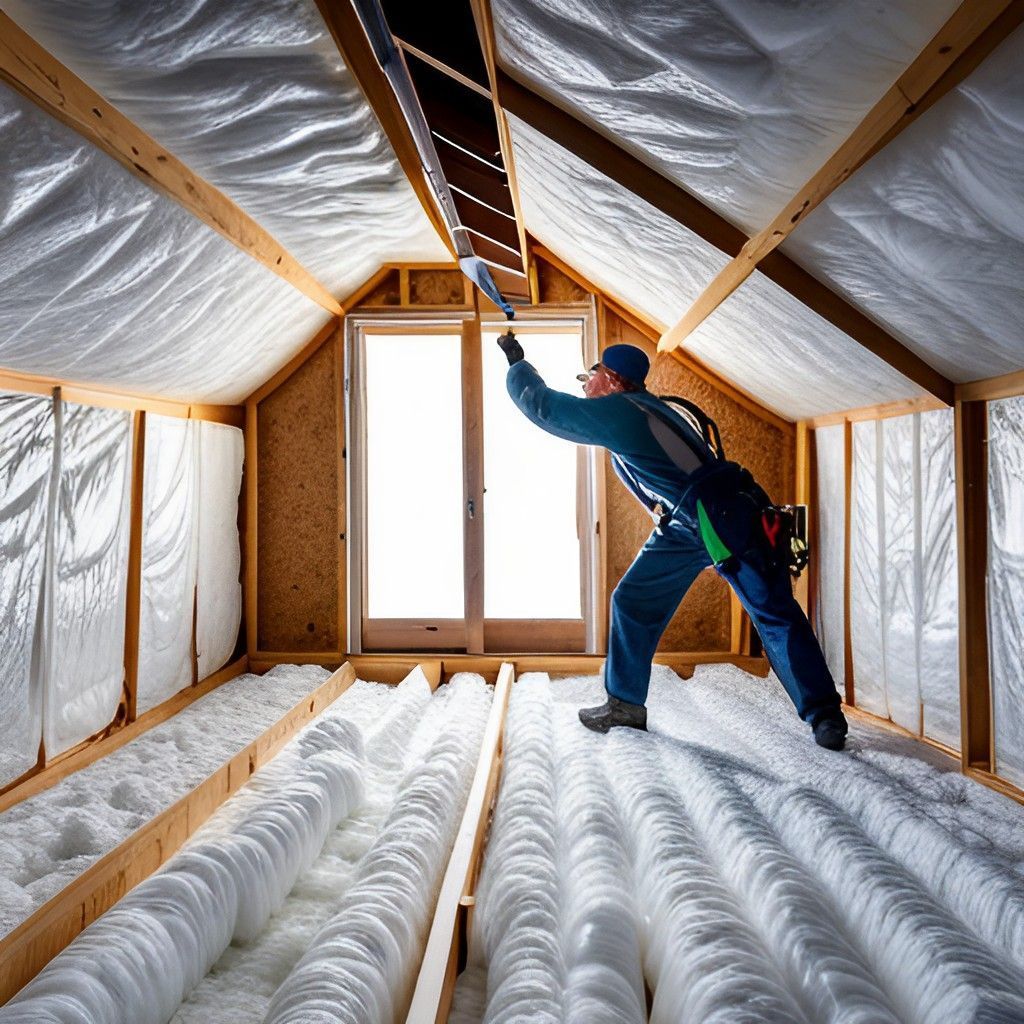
(297, 534)
(436, 288)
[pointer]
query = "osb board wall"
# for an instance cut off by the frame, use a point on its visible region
(437, 288)
(299, 497)
(703, 621)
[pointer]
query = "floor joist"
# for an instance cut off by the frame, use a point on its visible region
(38, 75)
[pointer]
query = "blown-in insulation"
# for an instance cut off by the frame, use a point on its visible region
(1006, 583)
(83, 641)
(762, 338)
(829, 552)
(254, 97)
(140, 959)
(104, 280)
(928, 237)
(740, 101)
(170, 511)
(219, 593)
(904, 595)
(776, 881)
(26, 469)
(361, 966)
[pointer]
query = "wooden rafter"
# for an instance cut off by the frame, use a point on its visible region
(665, 195)
(354, 47)
(972, 32)
(35, 73)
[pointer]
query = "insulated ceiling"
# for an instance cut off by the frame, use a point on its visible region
(106, 281)
(928, 236)
(739, 101)
(762, 338)
(254, 97)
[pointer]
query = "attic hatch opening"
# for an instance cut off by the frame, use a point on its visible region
(478, 530)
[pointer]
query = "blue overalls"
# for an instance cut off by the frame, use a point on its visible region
(649, 593)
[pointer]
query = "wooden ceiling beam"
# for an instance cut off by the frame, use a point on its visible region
(971, 33)
(347, 31)
(665, 195)
(39, 76)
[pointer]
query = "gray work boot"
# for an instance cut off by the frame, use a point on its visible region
(830, 731)
(614, 712)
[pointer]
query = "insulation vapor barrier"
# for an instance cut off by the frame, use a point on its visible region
(108, 282)
(83, 641)
(1006, 583)
(170, 512)
(830, 449)
(762, 338)
(928, 237)
(26, 467)
(776, 881)
(255, 98)
(739, 101)
(139, 960)
(904, 597)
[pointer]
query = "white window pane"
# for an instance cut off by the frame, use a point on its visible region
(414, 476)
(532, 550)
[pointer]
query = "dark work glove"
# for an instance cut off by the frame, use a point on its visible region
(509, 344)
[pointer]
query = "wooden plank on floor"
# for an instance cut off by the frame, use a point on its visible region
(435, 985)
(38, 939)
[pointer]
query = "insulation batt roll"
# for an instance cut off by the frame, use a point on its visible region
(360, 967)
(556, 931)
(139, 960)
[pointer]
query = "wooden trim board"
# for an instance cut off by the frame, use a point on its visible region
(133, 598)
(435, 985)
(37, 779)
(1006, 385)
(37, 940)
(39, 76)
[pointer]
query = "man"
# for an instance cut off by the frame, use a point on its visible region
(709, 512)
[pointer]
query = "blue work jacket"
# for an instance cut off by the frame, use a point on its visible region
(613, 422)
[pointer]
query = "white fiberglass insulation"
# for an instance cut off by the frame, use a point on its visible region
(106, 281)
(928, 236)
(142, 957)
(830, 553)
(1006, 583)
(740, 101)
(775, 881)
(49, 839)
(255, 98)
(903, 573)
(169, 515)
(361, 966)
(26, 466)
(761, 338)
(219, 552)
(83, 642)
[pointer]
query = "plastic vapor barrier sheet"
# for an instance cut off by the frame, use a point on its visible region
(903, 565)
(761, 338)
(106, 281)
(1006, 583)
(26, 465)
(170, 512)
(84, 652)
(740, 101)
(830, 449)
(219, 594)
(928, 237)
(253, 96)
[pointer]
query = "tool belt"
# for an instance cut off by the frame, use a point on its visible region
(737, 519)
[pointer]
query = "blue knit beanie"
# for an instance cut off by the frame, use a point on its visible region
(627, 361)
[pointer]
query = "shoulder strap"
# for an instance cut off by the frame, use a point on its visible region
(688, 437)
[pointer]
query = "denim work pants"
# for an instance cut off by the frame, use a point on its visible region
(648, 595)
